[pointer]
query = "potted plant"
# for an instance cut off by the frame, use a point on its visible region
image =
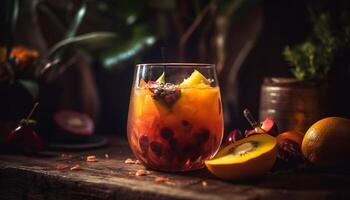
(295, 103)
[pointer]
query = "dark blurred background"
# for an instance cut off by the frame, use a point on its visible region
(245, 39)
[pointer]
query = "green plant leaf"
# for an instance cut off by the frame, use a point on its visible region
(141, 39)
(31, 86)
(78, 18)
(313, 59)
(124, 12)
(88, 42)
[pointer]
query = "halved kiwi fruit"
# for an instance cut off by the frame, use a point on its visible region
(244, 159)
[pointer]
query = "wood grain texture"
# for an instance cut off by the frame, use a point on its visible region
(37, 178)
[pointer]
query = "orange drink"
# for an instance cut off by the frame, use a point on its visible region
(175, 127)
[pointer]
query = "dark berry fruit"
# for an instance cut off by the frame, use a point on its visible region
(202, 135)
(144, 143)
(166, 93)
(186, 124)
(191, 151)
(289, 151)
(173, 144)
(233, 136)
(156, 147)
(166, 133)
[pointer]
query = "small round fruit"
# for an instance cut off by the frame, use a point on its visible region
(23, 138)
(245, 159)
(289, 146)
(270, 126)
(295, 136)
(326, 142)
(289, 151)
(233, 136)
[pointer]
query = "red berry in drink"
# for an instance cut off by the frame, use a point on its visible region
(173, 144)
(144, 143)
(166, 93)
(166, 133)
(202, 136)
(186, 125)
(156, 147)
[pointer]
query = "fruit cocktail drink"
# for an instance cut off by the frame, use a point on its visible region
(175, 127)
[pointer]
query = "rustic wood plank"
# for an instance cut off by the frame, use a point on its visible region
(24, 177)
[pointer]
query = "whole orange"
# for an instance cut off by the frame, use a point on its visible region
(327, 142)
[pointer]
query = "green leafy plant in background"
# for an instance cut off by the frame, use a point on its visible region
(137, 26)
(313, 59)
(111, 48)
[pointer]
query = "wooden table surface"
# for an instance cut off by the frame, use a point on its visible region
(39, 177)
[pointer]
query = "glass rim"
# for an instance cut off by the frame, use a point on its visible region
(174, 64)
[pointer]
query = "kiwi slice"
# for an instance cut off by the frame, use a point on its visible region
(244, 159)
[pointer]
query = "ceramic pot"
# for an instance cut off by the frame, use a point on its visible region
(295, 105)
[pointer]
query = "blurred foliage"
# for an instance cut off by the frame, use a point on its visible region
(137, 24)
(314, 58)
(141, 38)
(126, 29)
(78, 18)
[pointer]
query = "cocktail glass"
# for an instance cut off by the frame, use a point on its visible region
(175, 117)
